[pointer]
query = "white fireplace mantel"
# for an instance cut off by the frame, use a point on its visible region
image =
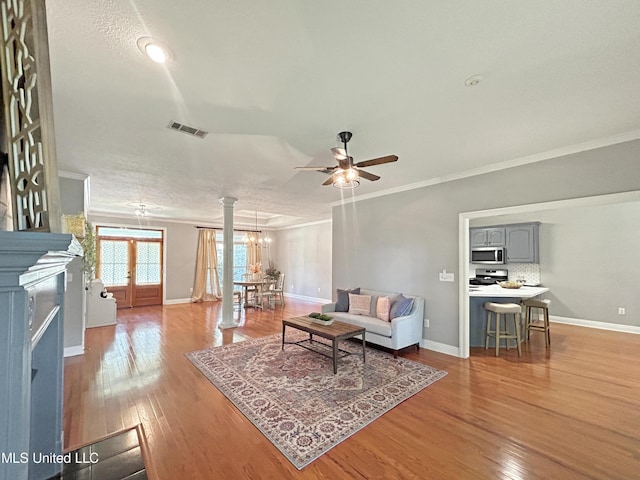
(25, 257)
(32, 285)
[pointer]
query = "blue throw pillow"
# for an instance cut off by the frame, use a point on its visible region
(402, 306)
(342, 305)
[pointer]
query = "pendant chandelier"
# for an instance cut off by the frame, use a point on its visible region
(256, 237)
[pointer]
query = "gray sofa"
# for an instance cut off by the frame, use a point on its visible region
(397, 334)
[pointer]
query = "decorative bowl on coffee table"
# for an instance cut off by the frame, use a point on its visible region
(320, 318)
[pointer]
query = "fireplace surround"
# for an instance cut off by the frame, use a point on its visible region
(32, 285)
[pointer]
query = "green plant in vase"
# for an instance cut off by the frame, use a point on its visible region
(90, 259)
(272, 272)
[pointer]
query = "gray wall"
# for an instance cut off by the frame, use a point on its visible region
(401, 241)
(72, 203)
(180, 250)
(589, 259)
(303, 254)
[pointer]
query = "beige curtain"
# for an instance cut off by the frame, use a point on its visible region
(254, 256)
(206, 286)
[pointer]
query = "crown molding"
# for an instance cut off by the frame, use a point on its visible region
(72, 175)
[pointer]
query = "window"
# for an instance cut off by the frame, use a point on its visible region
(239, 257)
(129, 233)
(114, 262)
(148, 258)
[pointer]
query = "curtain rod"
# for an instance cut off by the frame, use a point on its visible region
(235, 229)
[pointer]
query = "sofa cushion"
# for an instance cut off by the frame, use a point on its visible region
(383, 308)
(371, 324)
(342, 305)
(402, 306)
(359, 304)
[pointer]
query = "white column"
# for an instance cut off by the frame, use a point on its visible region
(227, 267)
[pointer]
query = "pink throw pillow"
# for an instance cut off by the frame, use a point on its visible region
(359, 304)
(382, 308)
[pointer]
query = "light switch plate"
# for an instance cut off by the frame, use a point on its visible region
(446, 277)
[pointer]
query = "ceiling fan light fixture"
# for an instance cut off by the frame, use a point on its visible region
(346, 184)
(347, 173)
(347, 179)
(140, 212)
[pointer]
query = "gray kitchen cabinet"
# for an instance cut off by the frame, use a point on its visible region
(522, 243)
(487, 237)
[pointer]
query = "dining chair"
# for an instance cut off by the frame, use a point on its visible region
(237, 298)
(278, 290)
(251, 291)
(266, 291)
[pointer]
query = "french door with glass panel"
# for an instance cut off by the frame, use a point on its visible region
(130, 265)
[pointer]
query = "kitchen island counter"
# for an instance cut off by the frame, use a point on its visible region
(478, 295)
(496, 291)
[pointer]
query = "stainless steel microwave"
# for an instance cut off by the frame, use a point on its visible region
(488, 255)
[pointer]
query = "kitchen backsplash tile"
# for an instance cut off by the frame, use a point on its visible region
(530, 272)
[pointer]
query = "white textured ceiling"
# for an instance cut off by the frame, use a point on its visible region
(274, 82)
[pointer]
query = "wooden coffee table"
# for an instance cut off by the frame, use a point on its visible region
(335, 332)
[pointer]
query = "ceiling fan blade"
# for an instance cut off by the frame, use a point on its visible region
(377, 161)
(339, 153)
(368, 176)
(329, 181)
(319, 169)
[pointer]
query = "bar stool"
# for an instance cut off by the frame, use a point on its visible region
(542, 304)
(503, 309)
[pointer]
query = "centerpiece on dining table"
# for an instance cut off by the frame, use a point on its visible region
(255, 270)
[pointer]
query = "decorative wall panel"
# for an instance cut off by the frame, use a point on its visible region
(22, 85)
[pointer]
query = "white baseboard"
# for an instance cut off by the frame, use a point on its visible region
(614, 327)
(440, 347)
(176, 301)
(106, 324)
(307, 299)
(73, 351)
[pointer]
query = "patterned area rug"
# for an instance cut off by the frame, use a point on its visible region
(294, 398)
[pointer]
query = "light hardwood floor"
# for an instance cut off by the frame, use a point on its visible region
(571, 412)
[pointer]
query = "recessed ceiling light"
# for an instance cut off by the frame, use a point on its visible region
(473, 80)
(156, 51)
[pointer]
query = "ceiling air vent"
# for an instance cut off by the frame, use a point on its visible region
(187, 129)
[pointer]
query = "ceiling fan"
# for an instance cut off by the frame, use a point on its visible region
(347, 174)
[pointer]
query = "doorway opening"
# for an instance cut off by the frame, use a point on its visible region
(130, 264)
(463, 243)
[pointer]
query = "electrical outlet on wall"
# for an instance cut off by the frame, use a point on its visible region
(622, 311)
(426, 323)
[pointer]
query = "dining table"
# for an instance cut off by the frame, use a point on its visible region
(246, 284)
